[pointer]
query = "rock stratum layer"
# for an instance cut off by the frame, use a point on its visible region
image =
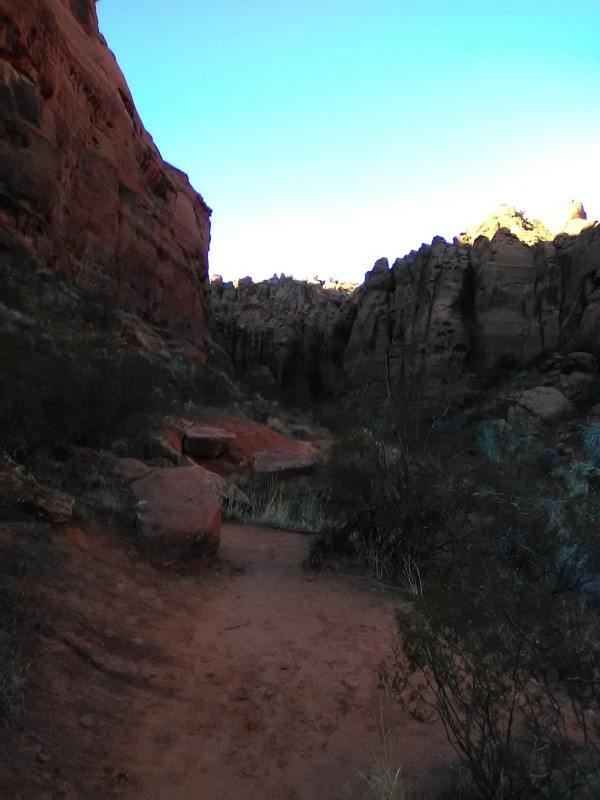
(432, 319)
(83, 189)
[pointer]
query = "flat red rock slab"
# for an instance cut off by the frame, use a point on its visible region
(283, 462)
(253, 437)
(206, 442)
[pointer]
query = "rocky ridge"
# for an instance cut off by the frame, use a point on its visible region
(506, 291)
(83, 189)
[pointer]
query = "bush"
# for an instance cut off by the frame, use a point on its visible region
(78, 392)
(395, 503)
(502, 640)
(512, 675)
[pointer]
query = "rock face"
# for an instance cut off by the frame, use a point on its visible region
(449, 310)
(83, 189)
(432, 319)
(297, 330)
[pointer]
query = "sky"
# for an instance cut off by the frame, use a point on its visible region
(326, 134)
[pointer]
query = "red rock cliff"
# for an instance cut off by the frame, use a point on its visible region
(83, 189)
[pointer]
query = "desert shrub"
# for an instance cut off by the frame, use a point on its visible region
(511, 672)
(385, 778)
(395, 501)
(497, 540)
(486, 440)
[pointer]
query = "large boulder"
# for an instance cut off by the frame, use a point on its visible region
(545, 403)
(178, 509)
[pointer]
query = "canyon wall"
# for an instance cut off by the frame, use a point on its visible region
(296, 331)
(431, 321)
(83, 189)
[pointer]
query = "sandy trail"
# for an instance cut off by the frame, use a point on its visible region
(278, 692)
(256, 682)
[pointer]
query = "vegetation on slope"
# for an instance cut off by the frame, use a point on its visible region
(495, 536)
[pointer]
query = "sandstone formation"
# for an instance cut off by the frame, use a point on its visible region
(83, 189)
(569, 218)
(431, 321)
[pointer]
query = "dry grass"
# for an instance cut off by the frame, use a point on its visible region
(385, 779)
(275, 507)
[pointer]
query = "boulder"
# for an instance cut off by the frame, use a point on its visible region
(546, 403)
(577, 386)
(178, 509)
(580, 362)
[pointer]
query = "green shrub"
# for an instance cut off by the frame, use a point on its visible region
(485, 439)
(591, 440)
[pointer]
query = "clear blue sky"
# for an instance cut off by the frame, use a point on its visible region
(327, 133)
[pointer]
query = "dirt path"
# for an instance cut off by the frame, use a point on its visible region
(258, 682)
